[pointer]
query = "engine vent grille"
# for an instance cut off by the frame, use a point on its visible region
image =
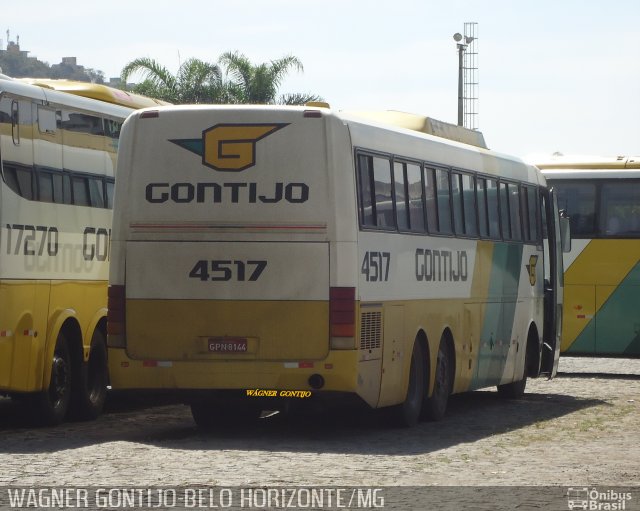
(370, 330)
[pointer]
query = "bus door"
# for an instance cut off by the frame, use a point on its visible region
(554, 283)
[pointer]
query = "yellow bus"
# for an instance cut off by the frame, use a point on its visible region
(264, 256)
(602, 270)
(58, 157)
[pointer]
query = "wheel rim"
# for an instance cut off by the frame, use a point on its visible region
(95, 379)
(59, 379)
(442, 374)
(414, 398)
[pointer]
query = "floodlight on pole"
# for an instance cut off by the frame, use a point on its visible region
(457, 37)
(467, 46)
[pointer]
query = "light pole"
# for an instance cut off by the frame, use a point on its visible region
(462, 46)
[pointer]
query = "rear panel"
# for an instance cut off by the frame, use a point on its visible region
(226, 235)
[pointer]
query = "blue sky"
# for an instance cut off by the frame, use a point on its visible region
(554, 75)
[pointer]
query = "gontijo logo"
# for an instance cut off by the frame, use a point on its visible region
(531, 268)
(229, 147)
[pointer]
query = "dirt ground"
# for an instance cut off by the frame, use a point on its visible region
(581, 429)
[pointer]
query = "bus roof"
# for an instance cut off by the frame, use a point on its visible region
(96, 91)
(590, 167)
(589, 162)
(423, 124)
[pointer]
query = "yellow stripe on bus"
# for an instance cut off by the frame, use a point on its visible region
(591, 279)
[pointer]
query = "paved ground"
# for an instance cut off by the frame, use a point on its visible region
(582, 428)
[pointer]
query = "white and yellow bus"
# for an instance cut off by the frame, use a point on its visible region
(58, 157)
(263, 255)
(602, 270)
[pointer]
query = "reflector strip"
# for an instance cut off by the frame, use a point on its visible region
(298, 365)
(157, 363)
(6, 333)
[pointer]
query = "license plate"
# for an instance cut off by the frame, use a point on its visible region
(227, 344)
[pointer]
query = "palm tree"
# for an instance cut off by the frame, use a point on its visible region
(195, 82)
(200, 82)
(259, 84)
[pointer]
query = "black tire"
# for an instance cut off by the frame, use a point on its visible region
(407, 414)
(203, 415)
(52, 404)
(90, 392)
(513, 390)
(435, 406)
(212, 415)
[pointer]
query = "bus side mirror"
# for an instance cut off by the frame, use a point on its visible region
(565, 232)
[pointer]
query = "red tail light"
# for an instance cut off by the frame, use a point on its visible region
(115, 314)
(342, 311)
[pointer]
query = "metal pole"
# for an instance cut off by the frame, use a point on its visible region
(461, 48)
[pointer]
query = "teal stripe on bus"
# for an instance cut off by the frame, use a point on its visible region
(499, 316)
(616, 324)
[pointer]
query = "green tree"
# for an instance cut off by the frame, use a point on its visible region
(259, 84)
(75, 72)
(195, 82)
(19, 66)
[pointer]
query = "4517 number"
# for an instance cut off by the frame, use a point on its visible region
(375, 266)
(226, 270)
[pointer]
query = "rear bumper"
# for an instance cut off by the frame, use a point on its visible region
(338, 371)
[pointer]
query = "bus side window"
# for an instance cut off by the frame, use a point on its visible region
(416, 207)
(112, 128)
(443, 194)
(493, 209)
(481, 193)
(81, 194)
(15, 122)
(579, 201)
(469, 204)
(430, 199)
(504, 211)
(620, 213)
(365, 179)
(45, 186)
(109, 186)
(96, 192)
(47, 122)
(515, 212)
(400, 191)
(385, 217)
(534, 220)
(456, 201)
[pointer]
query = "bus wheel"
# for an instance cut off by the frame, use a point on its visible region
(52, 404)
(407, 414)
(513, 390)
(435, 406)
(90, 393)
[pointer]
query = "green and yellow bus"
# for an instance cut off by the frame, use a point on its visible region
(263, 255)
(58, 160)
(602, 270)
